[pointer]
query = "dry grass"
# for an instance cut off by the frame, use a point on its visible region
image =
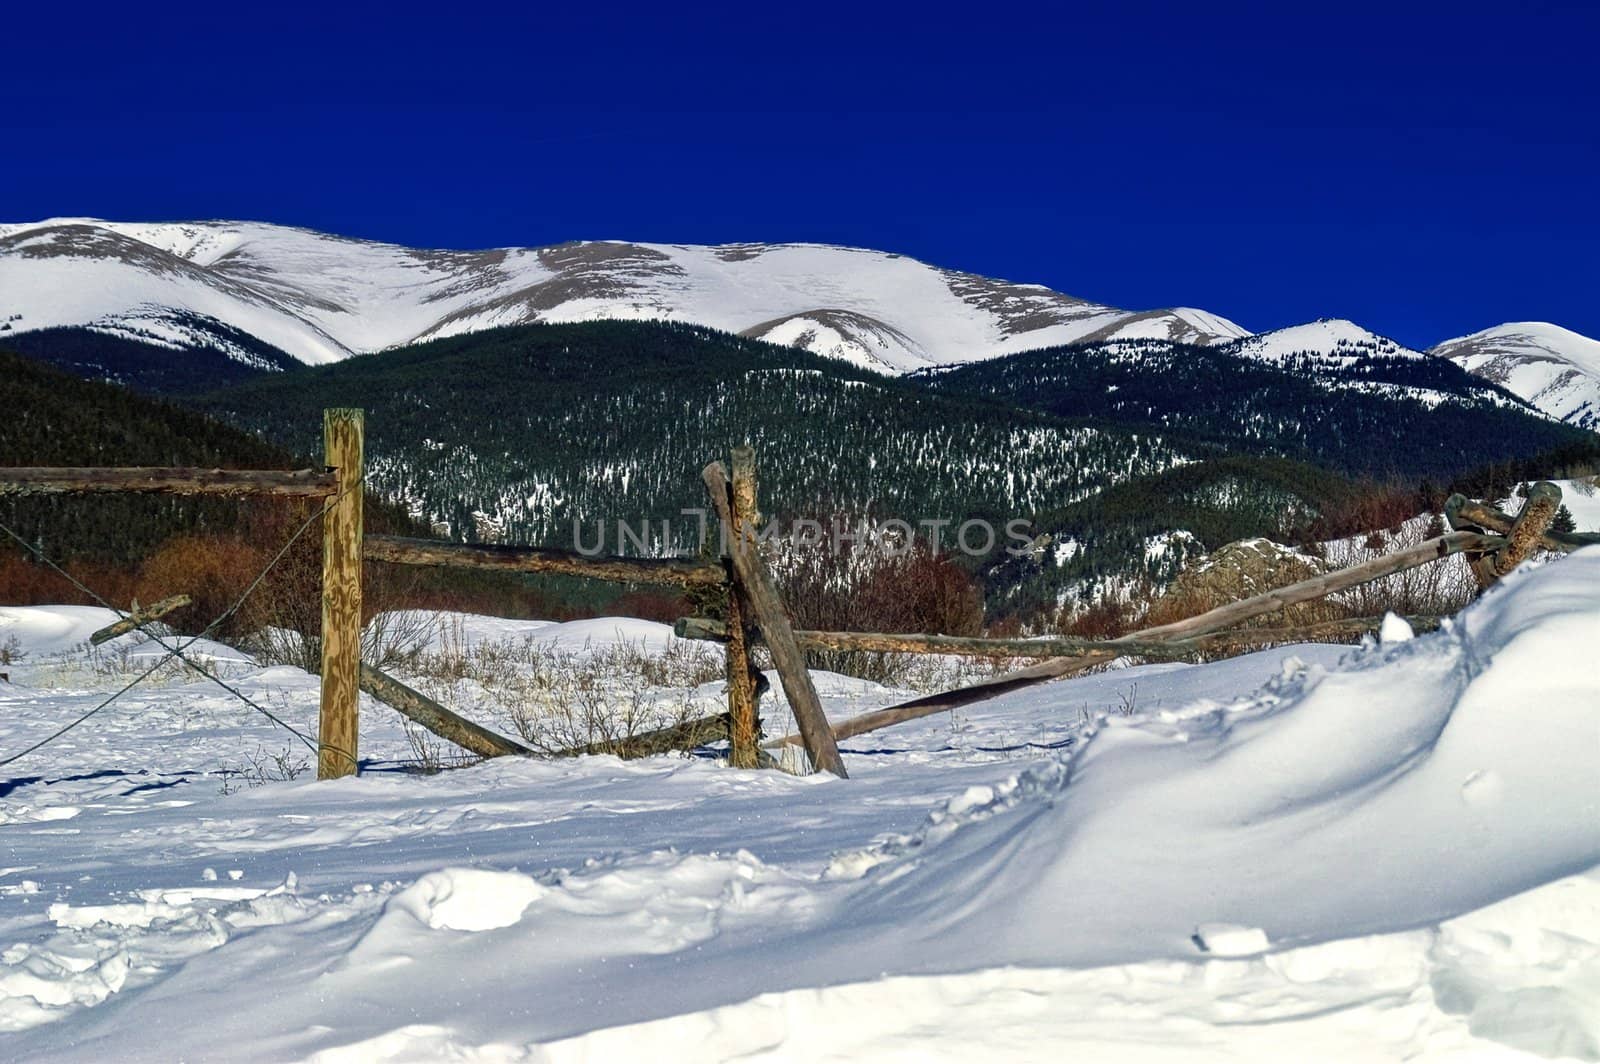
(558, 699)
(262, 767)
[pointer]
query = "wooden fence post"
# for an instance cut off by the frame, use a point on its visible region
(343, 444)
(1544, 498)
(766, 607)
(744, 741)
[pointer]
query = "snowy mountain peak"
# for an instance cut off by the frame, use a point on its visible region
(1555, 369)
(1326, 339)
(322, 298)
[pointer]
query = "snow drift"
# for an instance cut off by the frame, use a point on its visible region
(1416, 781)
(1386, 852)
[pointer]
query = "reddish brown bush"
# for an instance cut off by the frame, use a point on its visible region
(212, 570)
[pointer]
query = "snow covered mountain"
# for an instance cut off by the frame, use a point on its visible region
(1330, 342)
(321, 298)
(1555, 369)
(250, 291)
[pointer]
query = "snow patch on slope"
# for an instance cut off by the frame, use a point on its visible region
(1555, 369)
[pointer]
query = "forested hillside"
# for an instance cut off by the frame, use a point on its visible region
(229, 357)
(517, 432)
(54, 419)
(1372, 415)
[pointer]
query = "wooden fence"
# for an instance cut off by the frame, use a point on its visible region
(1494, 543)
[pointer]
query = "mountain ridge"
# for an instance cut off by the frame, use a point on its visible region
(245, 291)
(322, 298)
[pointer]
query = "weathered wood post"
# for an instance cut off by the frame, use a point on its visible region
(744, 742)
(1525, 533)
(766, 608)
(343, 445)
(1544, 498)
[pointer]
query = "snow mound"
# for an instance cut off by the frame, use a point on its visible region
(468, 899)
(61, 631)
(1515, 981)
(450, 630)
(102, 950)
(1230, 940)
(1418, 780)
(45, 631)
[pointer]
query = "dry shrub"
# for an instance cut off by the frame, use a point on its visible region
(1106, 618)
(25, 582)
(861, 587)
(1437, 589)
(662, 607)
(212, 570)
(1374, 506)
(559, 699)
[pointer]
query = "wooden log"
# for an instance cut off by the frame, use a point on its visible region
(685, 736)
(1461, 512)
(1222, 617)
(744, 739)
(928, 705)
(1047, 647)
(1477, 560)
(138, 617)
(337, 729)
(756, 584)
(418, 707)
(708, 629)
(403, 550)
(166, 480)
(452, 727)
(1235, 613)
(1525, 534)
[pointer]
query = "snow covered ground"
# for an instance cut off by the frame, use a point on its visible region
(1312, 853)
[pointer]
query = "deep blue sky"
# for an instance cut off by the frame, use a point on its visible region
(1427, 171)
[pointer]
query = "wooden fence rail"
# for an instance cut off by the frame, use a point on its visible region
(167, 480)
(1459, 510)
(1053, 646)
(138, 617)
(404, 550)
(1211, 621)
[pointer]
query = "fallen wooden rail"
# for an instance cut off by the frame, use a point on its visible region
(474, 738)
(1222, 617)
(138, 617)
(452, 727)
(704, 628)
(404, 550)
(685, 736)
(166, 480)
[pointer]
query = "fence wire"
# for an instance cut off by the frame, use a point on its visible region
(179, 652)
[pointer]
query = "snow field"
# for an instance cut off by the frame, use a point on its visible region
(1386, 851)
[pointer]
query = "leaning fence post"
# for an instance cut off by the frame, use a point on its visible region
(343, 444)
(755, 582)
(744, 738)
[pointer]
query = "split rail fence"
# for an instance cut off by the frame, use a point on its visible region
(1494, 543)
